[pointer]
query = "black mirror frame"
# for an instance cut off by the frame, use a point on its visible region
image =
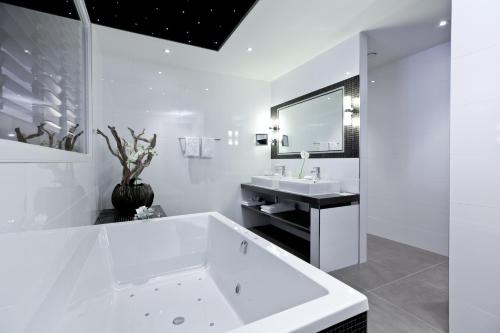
(351, 133)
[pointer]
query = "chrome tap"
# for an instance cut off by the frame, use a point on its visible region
(316, 173)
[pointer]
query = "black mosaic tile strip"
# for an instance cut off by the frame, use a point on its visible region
(356, 324)
(351, 132)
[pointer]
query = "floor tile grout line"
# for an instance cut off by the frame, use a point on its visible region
(385, 266)
(412, 247)
(407, 312)
(409, 275)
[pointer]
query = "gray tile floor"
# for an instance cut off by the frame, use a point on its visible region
(407, 287)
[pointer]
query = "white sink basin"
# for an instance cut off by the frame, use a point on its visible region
(309, 187)
(266, 181)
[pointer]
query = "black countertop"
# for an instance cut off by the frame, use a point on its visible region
(316, 201)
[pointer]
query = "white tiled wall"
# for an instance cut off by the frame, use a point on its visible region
(408, 150)
(46, 195)
(475, 167)
(176, 103)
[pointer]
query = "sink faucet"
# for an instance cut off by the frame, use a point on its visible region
(280, 170)
(316, 173)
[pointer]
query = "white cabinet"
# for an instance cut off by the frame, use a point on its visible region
(335, 237)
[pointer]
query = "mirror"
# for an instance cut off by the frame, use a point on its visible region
(44, 53)
(314, 124)
(324, 122)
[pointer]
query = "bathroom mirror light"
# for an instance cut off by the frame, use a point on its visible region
(348, 102)
(347, 118)
(274, 126)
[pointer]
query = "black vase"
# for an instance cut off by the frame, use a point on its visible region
(127, 198)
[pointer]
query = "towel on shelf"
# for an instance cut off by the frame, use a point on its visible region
(192, 146)
(278, 208)
(252, 203)
(207, 147)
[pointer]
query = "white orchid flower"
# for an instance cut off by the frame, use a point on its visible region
(304, 155)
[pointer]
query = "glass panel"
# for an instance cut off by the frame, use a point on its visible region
(315, 124)
(42, 79)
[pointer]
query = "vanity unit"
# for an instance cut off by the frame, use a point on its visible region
(322, 230)
(318, 222)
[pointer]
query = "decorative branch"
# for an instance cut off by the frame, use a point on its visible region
(50, 135)
(24, 138)
(134, 159)
(119, 145)
(109, 144)
(68, 141)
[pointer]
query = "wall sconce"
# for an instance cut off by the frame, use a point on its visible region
(348, 107)
(275, 127)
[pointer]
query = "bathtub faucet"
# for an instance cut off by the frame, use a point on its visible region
(243, 247)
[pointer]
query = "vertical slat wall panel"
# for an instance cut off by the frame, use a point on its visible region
(41, 75)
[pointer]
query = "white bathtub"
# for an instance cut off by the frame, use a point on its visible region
(140, 276)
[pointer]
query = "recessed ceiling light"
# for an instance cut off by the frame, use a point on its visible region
(166, 51)
(249, 49)
(27, 51)
(206, 89)
(443, 23)
(160, 72)
(11, 135)
(347, 73)
(372, 81)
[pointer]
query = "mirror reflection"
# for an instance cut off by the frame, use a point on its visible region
(42, 85)
(315, 124)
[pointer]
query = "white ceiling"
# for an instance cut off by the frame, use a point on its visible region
(286, 33)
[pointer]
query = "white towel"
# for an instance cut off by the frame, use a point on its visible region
(277, 208)
(207, 147)
(192, 147)
(251, 203)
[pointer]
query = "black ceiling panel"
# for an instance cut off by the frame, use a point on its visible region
(64, 8)
(203, 23)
